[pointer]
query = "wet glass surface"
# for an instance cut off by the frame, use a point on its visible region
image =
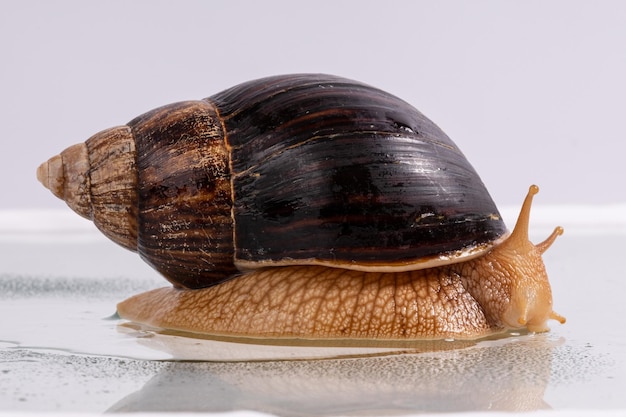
(62, 348)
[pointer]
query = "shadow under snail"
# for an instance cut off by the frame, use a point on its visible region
(306, 206)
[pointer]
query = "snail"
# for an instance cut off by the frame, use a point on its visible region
(306, 206)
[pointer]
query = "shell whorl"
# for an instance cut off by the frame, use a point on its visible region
(184, 194)
(330, 171)
(97, 179)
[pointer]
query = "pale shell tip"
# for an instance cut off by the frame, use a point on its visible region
(50, 175)
(42, 174)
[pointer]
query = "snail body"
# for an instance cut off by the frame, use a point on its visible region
(306, 206)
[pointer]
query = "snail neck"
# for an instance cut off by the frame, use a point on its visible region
(511, 278)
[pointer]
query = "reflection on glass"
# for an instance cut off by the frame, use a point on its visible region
(507, 374)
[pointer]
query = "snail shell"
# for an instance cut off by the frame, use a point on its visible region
(293, 181)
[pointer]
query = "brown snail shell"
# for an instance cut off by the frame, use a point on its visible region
(291, 182)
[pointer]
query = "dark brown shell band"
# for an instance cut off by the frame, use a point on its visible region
(185, 224)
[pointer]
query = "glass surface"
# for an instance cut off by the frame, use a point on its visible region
(62, 347)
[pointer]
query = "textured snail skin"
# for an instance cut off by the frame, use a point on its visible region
(306, 206)
(507, 288)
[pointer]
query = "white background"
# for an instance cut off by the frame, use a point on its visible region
(532, 92)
